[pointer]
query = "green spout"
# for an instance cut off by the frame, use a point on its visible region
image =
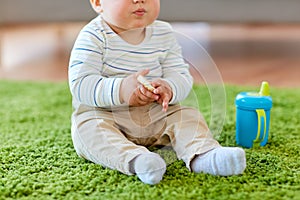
(264, 89)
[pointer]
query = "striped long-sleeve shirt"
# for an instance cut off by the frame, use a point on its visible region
(100, 59)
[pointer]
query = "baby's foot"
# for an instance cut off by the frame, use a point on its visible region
(223, 161)
(149, 167)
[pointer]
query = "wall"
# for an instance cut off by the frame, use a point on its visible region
(18, 11)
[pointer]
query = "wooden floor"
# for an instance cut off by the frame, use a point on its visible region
(230, 53)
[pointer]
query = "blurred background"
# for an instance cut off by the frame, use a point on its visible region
(247, 41)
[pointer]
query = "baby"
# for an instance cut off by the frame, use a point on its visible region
(116, 117)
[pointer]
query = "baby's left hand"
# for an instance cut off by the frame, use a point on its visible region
(163, 89)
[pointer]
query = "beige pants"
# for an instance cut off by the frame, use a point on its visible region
(112, 138)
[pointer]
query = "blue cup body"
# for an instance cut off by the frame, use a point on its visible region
(252, 119)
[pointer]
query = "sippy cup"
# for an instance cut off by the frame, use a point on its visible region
(253, 117)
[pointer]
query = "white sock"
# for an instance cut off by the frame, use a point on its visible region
(149, 167)
(223, 161)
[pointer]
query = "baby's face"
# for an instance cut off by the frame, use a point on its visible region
(124, 15)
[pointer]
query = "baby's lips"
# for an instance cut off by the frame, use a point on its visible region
(140, 11)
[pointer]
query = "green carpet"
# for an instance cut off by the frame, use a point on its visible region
(37, 159)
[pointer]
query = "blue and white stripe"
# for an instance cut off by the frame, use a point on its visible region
(100, 59)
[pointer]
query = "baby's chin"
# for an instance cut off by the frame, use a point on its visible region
(142, 23)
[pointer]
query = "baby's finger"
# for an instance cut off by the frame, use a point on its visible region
(147, 94)
(140, 93)
(165, 105)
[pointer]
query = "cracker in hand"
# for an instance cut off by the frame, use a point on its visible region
(145, 83)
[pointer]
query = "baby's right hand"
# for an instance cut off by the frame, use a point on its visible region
(134, 93)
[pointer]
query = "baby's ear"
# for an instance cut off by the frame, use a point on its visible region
(96, 4)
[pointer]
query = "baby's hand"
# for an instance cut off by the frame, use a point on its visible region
(163, 89)
(135, 94)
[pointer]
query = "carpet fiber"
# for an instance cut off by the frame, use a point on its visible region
(37, 159)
